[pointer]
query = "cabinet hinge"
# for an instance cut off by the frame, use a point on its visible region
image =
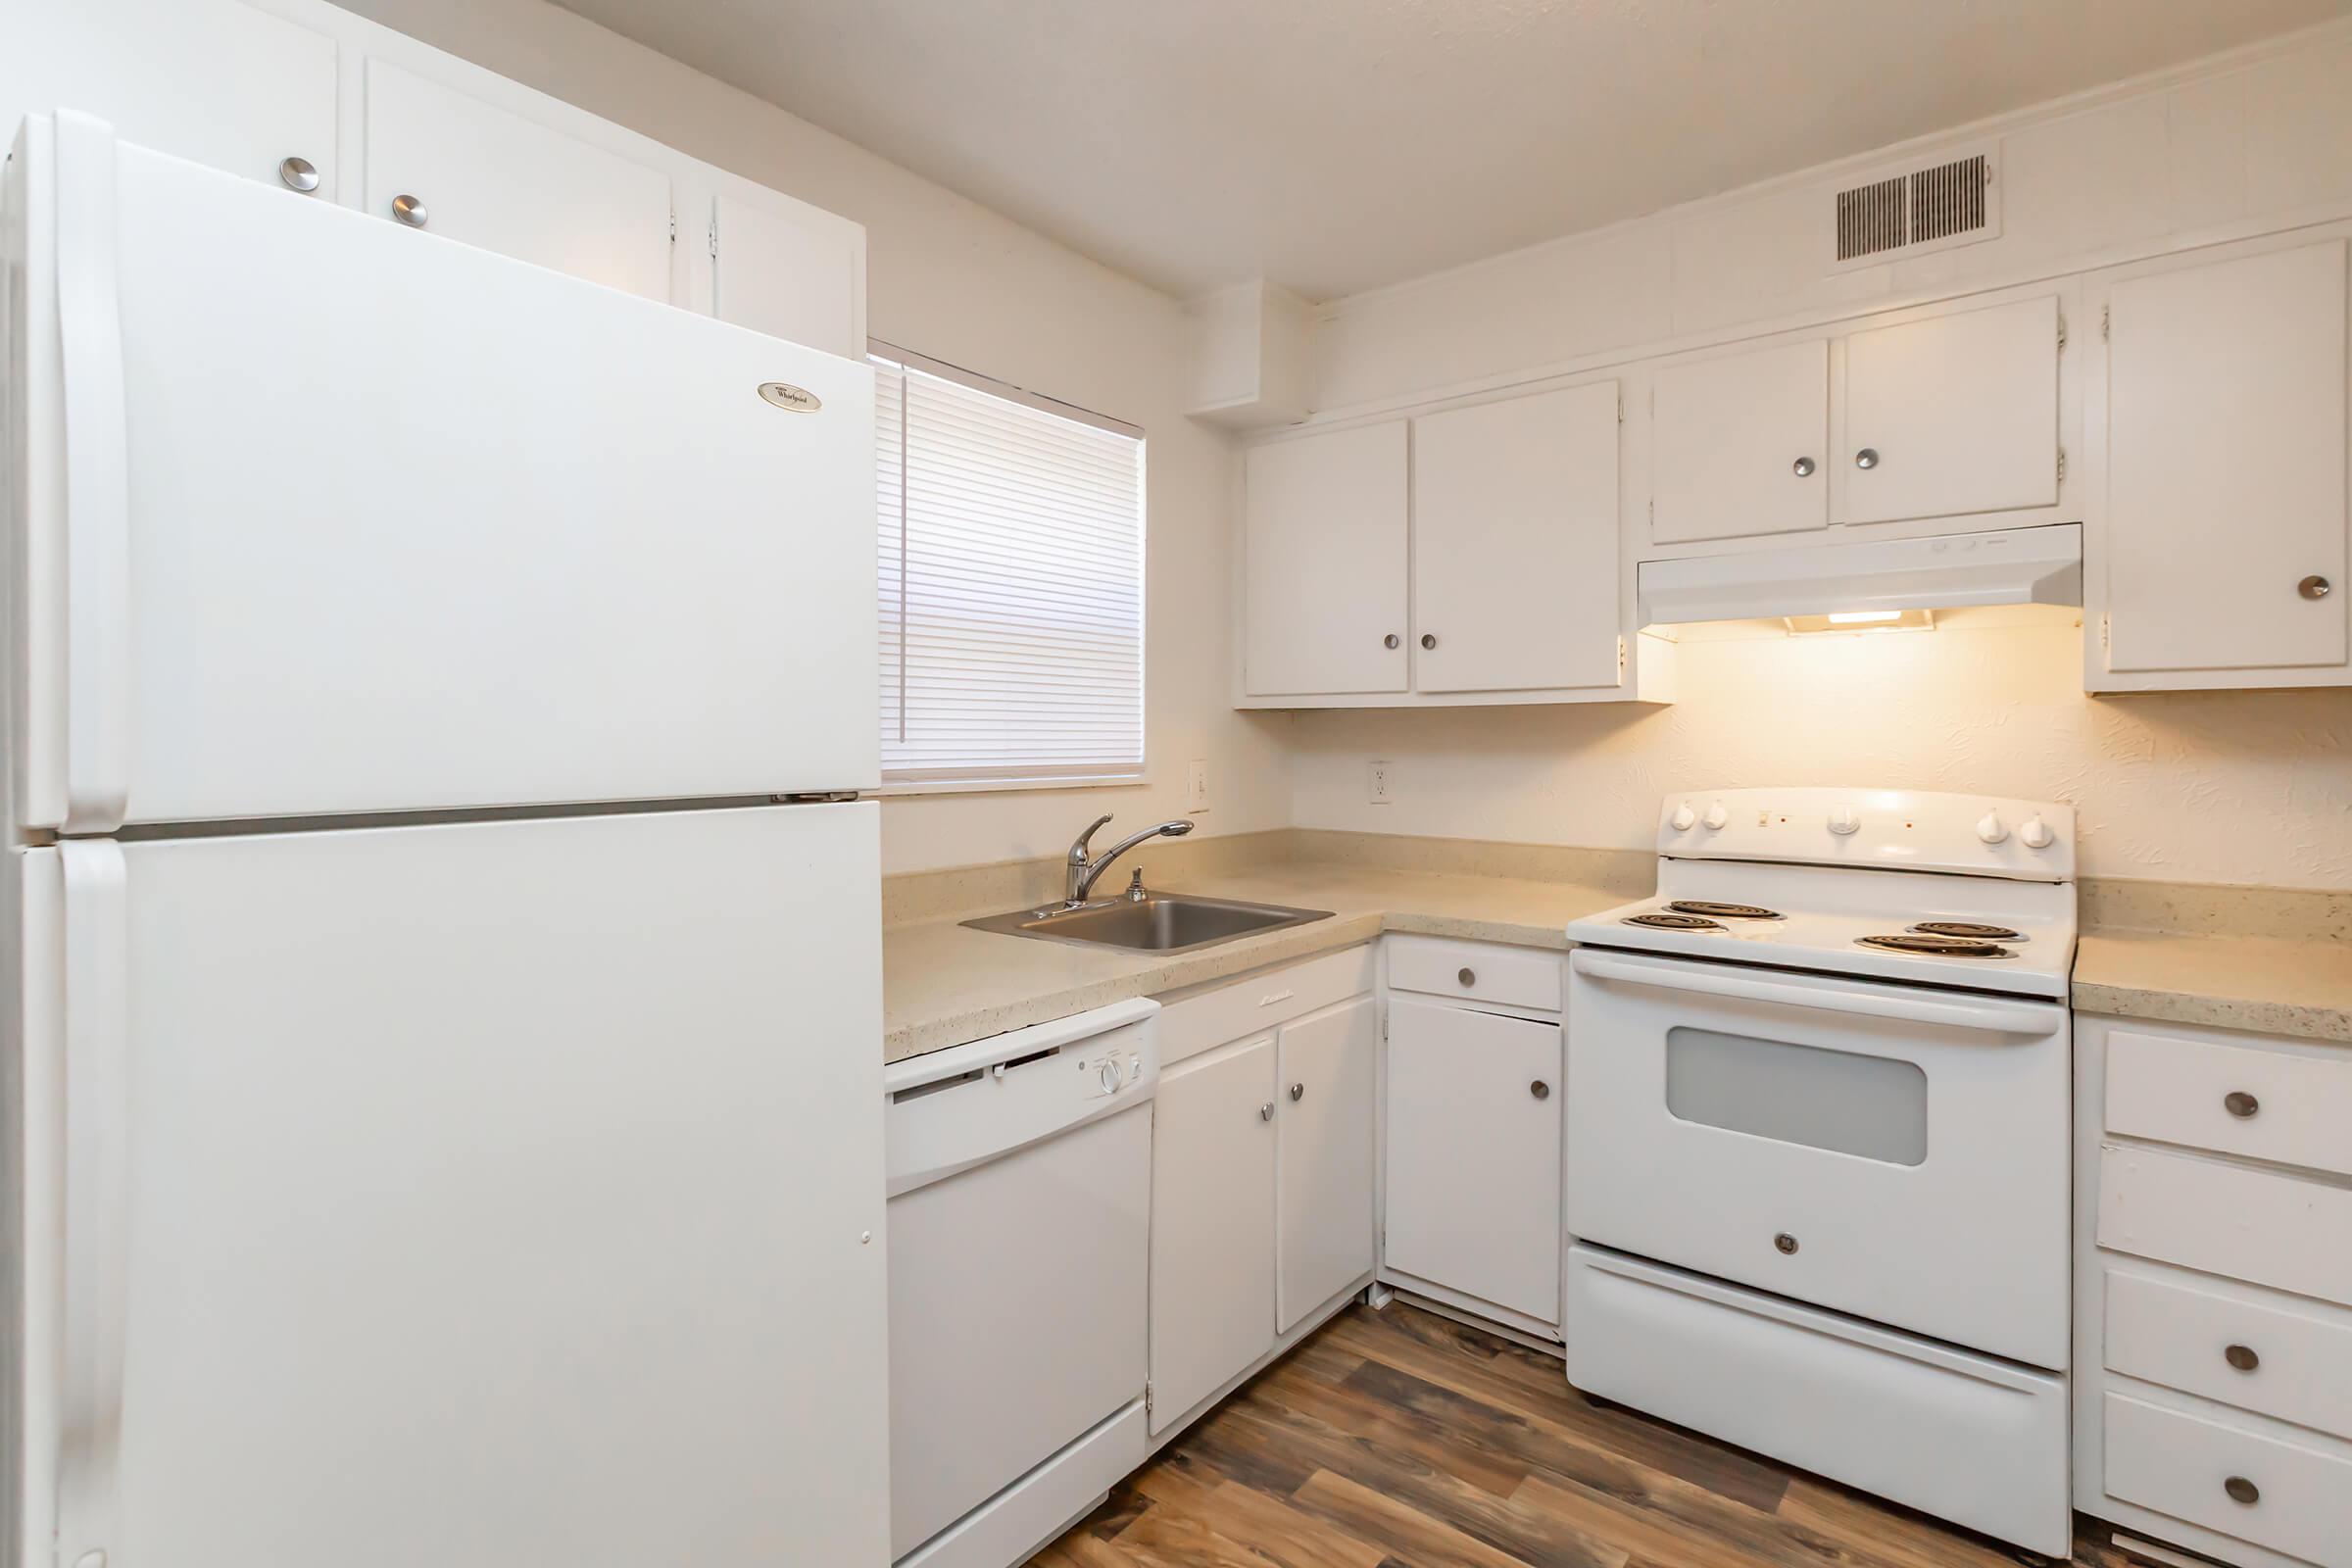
(2062, 331)
(2106, 632)
(713, 241)
(1620, 408)
(2106, 322)
(673, 228)
(1621, 656)
(2062, 465)
(1654, 511)
(1146, 1399)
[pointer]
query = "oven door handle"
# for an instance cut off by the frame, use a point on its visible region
(1984, 1015)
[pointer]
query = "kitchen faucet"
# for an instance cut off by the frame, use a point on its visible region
(1081, 872)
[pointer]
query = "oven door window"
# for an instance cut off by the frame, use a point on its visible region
(1873, 1106)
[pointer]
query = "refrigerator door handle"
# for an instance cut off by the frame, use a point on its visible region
(97, 1170)
(97, 524)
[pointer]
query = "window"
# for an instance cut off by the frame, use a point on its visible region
(1012, 578)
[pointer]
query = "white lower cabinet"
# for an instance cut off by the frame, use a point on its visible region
(1324, 1206)
(1261, 1170)
(2212, 1332)
(1474, 1155)
(1213, 1223)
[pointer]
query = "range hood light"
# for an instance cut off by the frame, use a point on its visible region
(1860, 623)
(1862, 618)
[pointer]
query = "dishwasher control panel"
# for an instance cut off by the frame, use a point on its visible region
(1107, 1070)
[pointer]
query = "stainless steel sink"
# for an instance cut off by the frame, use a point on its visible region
(1158, 923)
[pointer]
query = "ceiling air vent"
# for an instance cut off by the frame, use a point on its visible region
(1917, 209)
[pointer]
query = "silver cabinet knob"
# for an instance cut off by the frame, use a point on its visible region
(1467, 976)
(410, 211)
(1429, 639)
(1297, 1093)
(1390, 639)
(2238, 1103)
(1867, 458)
(1539, 1089)
(2243, 1357)
(2315, 586)
(1803, 468)
(2241, 1489)
(1265, 1112)
(298, 174)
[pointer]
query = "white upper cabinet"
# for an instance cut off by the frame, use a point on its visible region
(455, 165)
(1515, 562)
(2217, 428)
(791, 270)
(1952, 415)
(209, 80)
(1325, 595)
(1740, 443)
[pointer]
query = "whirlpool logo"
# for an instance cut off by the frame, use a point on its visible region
(791, 399)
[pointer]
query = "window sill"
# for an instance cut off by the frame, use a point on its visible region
(947, 786)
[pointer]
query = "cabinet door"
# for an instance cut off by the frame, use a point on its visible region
(790, 271)
(1741, 445)
(492, 179)
(1212, 1224)
(1324, 519)
(1515, 544)
(1474, 1155)
(213, 82)
(2225, 443)
(1957, 414)
(1325, 1193)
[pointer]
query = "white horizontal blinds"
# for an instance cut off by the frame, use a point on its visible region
(1011, 539)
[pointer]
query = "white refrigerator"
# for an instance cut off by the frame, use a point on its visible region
(442, 1075)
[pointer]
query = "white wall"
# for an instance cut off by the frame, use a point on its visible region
(2251, 787)
(952, 279)
(2245, 787)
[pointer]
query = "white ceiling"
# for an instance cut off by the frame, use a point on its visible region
(1337, 145)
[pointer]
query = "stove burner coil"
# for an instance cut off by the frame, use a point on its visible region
(1724, 911)
(1674, 922)
(1936, 947)
(1966, 930)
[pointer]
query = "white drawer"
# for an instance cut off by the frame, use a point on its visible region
(2283, 1230)
(1962, 1437)
(1213, 1016)
(2184, 1465)
(1475, 972)
(2278, 1105)
(2276, 1356)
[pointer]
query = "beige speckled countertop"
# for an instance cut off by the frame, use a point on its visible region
(2272, 961)
(944, 985)
(2273, 984)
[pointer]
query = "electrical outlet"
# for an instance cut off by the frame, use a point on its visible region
(1196, 788)
(1377, 784)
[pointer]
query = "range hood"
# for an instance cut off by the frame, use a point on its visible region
(2007, 566)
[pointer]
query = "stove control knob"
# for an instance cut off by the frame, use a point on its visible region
(1843, 821)
(1716, 816)
(2036, 834)
(1682, 818)
(1992, 829)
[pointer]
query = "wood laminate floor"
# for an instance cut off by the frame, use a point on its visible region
(1404, 1440)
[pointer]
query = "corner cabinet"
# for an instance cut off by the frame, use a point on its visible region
(2215, 554)
(1471, 554)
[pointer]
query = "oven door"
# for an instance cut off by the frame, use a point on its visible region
(1895, 1152)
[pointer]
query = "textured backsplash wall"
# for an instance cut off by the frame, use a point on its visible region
(2245, 787)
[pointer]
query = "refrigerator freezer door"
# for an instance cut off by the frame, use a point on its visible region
(354, 518)
(472, 1194)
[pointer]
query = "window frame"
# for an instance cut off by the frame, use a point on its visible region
(1141, 774)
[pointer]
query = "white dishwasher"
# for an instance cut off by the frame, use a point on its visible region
(1019, 1219)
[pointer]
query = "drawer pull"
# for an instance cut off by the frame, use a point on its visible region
(2241, 1489)
(1468, 976)
(2243, 1357)
(1786, 1243)
(2238, 1103)
(1297, 1093)
(1539, 1089)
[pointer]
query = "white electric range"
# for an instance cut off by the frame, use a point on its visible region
(1819, 1143)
